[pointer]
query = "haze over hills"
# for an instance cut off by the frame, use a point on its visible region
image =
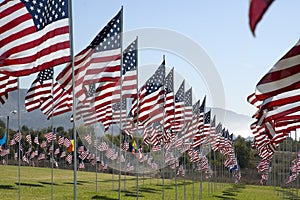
(238, 124)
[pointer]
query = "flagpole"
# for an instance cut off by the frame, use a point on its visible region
(20, 137)
(96, 165)
(73, 96)
(52, 158)
(121, 98)
(52, 143)
(137, 119)
(296, 141)
(7, 137)
(163, 160)
(291, 151)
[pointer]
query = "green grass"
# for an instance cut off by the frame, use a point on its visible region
(36, 184)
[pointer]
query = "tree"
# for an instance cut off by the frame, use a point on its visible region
(2, 124)
(242, 151)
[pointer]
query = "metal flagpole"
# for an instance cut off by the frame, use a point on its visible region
(52, 143)
(73, 96)
(200, 195)
(137, 119)
(290, 153)
(52, 157)
(20, 137)
(273, 170)
(163, 145)
(113, 171)
(7, 136)
(96, 168)
(296, 140)
(121, 98)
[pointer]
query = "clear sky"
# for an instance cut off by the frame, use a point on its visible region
(219, 27)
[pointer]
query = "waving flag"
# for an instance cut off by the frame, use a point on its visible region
(256, 11)
(169, 100)
(7, 84)
(40, 90)
(282, 77)
(151, 99)
(179, 108)
(34, 35)
(99, 62)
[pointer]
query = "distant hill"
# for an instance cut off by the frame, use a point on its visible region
(35, 119)
(236, 123)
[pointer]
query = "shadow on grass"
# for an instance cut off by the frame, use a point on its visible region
(72, 183)
(47, 183)
(7, 187)
(103, 197)
(117, 180)
(230, 193)
(149, 190)
(30, 184)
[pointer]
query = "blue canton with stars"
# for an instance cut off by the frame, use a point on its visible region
(169, 82)
(179, 97)
(116, 106)
(207, 118)
(109, 37)
(46, 74)
(196, 108)
(188, 98)
(45, 12)
(130, 58)
(157, 80)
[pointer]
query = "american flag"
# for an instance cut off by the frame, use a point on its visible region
(109, 92)
(85, 110)
(59, 102)
(61, 140)
(283, 76)
(188, 102)
(125, 145)
(192, 127)
(200, 123)
(99, 62)
(17, 136)
(63, 154)
(57, 151)
(169, 100)
(49, 136)
(7, 84)
(40, 90)
(42, 156)
(34, 35)
(119, 112)
(69, 159)
(151, 100)
(256, 12)
(36, 140)
(28, 138)
(179, 108)
(129, 70)
(67, 142)
(88, 138)
(206, 129)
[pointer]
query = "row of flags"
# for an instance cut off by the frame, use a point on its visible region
(276, 98)
(104, 76)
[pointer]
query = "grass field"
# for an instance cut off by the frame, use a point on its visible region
(36, 184)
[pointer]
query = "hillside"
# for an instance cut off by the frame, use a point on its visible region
(236, 123)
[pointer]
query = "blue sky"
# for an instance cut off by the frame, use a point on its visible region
(220, 28)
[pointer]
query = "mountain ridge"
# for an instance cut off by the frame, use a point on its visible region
(238, 124)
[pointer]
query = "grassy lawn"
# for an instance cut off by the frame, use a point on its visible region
(36, 184)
